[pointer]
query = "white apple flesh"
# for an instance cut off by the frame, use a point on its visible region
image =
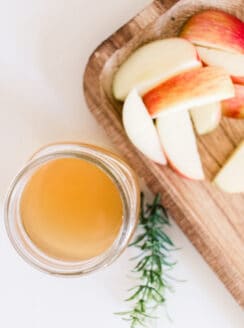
(140, 128)
(231, 62)
(231, 177)
(179, 143)
(153, 63)
(206, 118)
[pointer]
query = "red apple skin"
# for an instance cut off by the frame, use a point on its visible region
(216, 29)
(234, 107)
(238, 79)
(193, 84)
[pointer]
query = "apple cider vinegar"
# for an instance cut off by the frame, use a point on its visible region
(71, 209)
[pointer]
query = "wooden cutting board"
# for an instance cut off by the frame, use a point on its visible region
(212, 220)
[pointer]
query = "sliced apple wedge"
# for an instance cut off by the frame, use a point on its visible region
(231, 177)
(232, 63)
(140, 128)
(179, 143)
(206, 118)
(201, 86)
(238, 79)
(152, 63)
(215, 29)
(234, 107)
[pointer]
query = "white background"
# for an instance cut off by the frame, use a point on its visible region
(44, 48)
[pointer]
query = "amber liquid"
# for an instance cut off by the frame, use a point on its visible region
(71, 209)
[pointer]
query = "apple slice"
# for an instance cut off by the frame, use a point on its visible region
(231, 177)
(201, 86)
(215, 29)
(179, 143)
(140, 128)
(238, 79)
(232, 63)
(234, 107)
(206, 118)
(152, 63)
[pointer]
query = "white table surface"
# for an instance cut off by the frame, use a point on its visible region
(44, 48)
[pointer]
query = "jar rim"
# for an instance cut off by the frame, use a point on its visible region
(123, 177)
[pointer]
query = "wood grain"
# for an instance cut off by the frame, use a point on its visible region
(212, 220)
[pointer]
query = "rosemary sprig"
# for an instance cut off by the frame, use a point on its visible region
(152, 265)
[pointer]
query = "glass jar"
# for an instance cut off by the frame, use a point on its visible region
(121, 174)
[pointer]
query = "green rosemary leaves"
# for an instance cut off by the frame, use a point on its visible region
(153, 263)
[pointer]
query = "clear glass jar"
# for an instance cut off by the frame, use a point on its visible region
(123, 177)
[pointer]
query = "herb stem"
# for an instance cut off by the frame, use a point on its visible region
(154, 245)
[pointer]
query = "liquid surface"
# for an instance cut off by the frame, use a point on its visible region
(71, 209)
